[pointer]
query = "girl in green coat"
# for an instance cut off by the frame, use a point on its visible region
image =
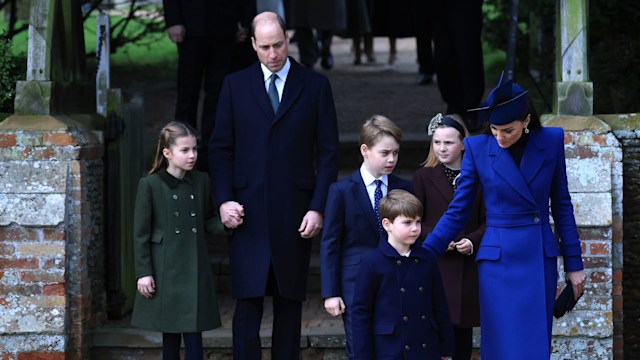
(173, 215)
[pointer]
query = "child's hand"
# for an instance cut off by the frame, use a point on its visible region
(334, 305)
(311, 224)
(445, 358)
(464, 246)
(231, 214)
(146, 286)
(451, 247)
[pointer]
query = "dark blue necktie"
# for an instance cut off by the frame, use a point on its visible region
(273, 93)
(377, 196)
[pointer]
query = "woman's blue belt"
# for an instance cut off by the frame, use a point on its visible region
(520, 219)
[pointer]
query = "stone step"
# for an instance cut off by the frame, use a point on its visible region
(322, 336)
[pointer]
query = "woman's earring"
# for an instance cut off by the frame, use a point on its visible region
(526, 130)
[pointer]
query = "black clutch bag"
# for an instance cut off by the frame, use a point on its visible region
(565, 301)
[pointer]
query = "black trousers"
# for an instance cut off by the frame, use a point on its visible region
(308, 45)
(285, 336)
(463, 338)
(424, 37)
(457, 27)
(192, 346)
(203, 63)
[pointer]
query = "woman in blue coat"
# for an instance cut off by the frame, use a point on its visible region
(521, 168)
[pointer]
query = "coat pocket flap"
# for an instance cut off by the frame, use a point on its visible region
(488, 253)
(157, 237)
(552, 249)
(384, 329)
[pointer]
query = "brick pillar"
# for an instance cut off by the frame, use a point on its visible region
(627, 344)
(594, 173)
(51, 246)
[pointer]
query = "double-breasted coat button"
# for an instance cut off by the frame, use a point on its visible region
(424, 346)
(405, 318)
(424, 317)
(536, 217)
(175, 197)
(399, 262)
(192, 197)
(407, 347)
(193, 213)
(176, 214)
(177, 231)
(402, 290)
(417, 261)
(194, 230)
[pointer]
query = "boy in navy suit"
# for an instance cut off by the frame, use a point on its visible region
(352, 224)
(399, 308)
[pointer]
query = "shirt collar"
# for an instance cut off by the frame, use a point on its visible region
(369, 179)
(282, 74)
(389, 251)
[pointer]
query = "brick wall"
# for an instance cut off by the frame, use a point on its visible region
(625, 127)
(594, 173)
(51, 272)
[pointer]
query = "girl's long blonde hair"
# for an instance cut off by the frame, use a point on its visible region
(432, 159)
(168, 136)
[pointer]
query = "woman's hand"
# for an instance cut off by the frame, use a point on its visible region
(578, 280)
(146, 286)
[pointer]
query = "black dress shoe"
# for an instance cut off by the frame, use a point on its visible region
(327, 60)
(425, 79)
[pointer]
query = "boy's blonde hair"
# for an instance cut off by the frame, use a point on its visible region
(376, 127)
(400, 202)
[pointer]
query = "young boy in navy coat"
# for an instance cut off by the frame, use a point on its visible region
(399, 308)
(351, 224)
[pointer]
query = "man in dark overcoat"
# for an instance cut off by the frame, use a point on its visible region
(273, 157)
(205, 32)
(327, 17)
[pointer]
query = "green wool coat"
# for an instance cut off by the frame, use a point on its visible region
(171, 222)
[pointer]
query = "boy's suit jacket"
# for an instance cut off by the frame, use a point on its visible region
(459, 272)
(350, 228)
(399, 308)
(278, 167)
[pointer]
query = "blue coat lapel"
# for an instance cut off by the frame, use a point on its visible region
(505, 167)
(533, 157)
(362, 197)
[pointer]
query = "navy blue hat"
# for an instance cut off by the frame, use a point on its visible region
(505, 104)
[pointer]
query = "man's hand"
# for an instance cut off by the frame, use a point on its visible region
(311, 224)
(241, 33)
(334, 306)
(146, 286)
(176, 33)
(231, 214)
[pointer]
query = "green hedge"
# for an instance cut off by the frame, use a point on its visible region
(614, 50)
